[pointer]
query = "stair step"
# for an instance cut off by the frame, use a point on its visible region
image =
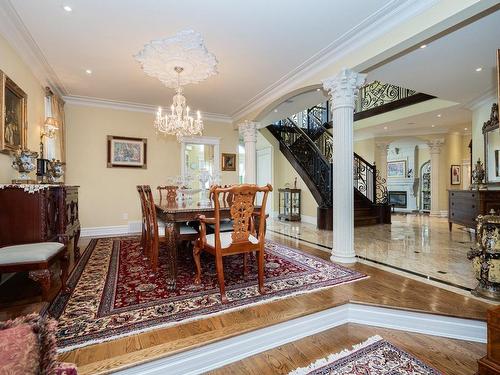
(365, 221)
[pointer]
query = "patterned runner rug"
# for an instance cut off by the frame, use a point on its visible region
(114, 292)
(375, 356)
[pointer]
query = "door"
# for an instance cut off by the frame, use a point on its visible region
(265, 175)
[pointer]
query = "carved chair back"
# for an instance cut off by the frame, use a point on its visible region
(168, 193)
(153, 238)
(144, 212)
(226, 197)
(242, 211)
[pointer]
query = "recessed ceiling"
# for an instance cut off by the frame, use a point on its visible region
(256, 42)
(446, 68)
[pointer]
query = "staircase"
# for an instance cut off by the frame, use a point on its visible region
(307, 144)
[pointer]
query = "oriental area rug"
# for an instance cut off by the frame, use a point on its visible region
(375, 356)
(114, 293)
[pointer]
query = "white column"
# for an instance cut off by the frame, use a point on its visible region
(382, 149)
(248, 131)
(435, 151)
(343, 89)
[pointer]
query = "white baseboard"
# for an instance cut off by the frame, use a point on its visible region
(224, 352)
(116, 230)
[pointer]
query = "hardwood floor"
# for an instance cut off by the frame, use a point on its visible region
(447, 355)
(382, 288)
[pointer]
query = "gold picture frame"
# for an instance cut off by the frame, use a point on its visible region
(127, 152)
(13, 115)
(228, 162)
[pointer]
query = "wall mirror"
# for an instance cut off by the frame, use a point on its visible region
(492, 147)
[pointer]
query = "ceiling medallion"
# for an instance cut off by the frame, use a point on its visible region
(178, 61)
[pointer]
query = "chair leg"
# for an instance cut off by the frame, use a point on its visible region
(64, 264)
(196, 256)
(43, 278)
(261, 270)
(220, 276)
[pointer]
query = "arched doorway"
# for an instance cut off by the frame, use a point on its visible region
(425, 187)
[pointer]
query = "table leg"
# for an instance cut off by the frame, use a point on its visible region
(171, 244)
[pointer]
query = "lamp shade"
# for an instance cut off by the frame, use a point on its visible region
(52, 123)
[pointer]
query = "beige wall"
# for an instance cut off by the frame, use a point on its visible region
(12, 65)
(106, 194)
(366, 149)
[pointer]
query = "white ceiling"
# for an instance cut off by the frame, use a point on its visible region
(446, 67)
(256, 42)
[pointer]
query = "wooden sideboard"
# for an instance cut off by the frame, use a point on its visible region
(44, 213)
(465, 205)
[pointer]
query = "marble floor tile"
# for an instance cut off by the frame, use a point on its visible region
(414, 243)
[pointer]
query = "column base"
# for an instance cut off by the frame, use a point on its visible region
(343, 259)
(435, 214)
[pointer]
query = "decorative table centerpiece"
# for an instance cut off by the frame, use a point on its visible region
(24, 163)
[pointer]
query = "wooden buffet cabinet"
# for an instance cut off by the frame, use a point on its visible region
(465, 205)
(39, 213)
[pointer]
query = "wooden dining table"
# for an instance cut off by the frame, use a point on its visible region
(175, 213)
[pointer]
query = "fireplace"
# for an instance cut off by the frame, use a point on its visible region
(398, 199)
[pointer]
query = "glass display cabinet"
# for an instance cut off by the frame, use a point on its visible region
(289, 204)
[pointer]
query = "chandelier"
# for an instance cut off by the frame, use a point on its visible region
(178, 122)
(166, 59)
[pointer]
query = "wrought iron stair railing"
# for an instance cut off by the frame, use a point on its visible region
(304, 138)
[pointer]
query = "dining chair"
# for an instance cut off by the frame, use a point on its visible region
(144, 232)
(152, 238)
(243, 239)
(167, 193)
(226, 225)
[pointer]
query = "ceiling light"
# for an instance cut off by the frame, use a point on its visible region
(433, 126)
(439, 115)
(88, 71)
(275, 110)
(478, 69)
(67, 8)
(385, 127)
(423, 46)
(318, 89)
(465, 128)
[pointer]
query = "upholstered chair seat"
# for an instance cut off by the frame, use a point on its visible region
(29, 253)
(226, 239)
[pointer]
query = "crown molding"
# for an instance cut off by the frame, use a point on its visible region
(394, 13)
(17, 35)
(488, 97)
(134, 107)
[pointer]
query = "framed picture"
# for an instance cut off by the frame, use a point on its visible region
(13, 115)
(456, 175)
(127, 152)
(228, 162)
(396, 168)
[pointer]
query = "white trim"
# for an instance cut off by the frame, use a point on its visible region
(488, 97)
(134, 107)
(375, 25)
(20, 39)
(224, 352)
(115, 230)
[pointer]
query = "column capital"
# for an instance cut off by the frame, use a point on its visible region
(248, 131)
(435, 145)
(343, 88)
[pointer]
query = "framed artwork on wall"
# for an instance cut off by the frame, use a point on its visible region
(13, 115)
(456, 175)
(396, 168)
(127, 152)
(229, 162)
